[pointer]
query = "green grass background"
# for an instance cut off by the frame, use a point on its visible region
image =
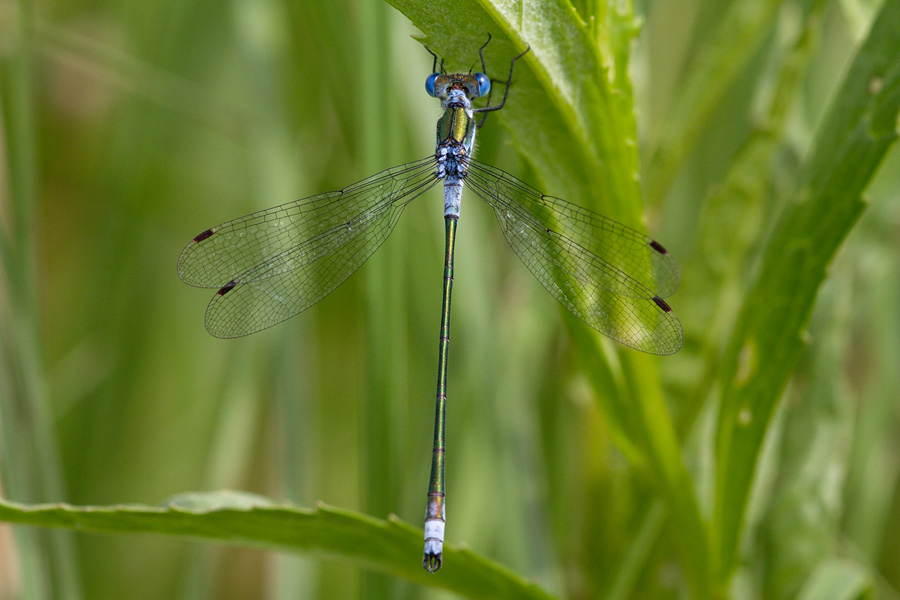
(759, 462)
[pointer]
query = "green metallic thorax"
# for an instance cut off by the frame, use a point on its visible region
(456, 126)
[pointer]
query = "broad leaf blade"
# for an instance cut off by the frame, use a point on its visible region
(561, 114)
(390, 546)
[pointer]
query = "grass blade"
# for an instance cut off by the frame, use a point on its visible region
(767, 341)
(330, 533)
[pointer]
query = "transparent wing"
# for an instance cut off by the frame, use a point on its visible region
(608, 275)
(275, 263)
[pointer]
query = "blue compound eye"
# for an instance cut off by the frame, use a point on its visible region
(484, 84)
(429, 84)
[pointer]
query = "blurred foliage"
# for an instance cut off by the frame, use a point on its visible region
(759, 462)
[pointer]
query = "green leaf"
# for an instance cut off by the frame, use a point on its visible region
(561, 114)
(389, 546)
(768, 337)
(838, 580)
(807, 503)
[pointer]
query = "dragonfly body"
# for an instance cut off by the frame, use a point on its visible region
(271, 265)
(455, 141)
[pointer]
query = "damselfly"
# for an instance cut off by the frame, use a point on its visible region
(273, 264)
